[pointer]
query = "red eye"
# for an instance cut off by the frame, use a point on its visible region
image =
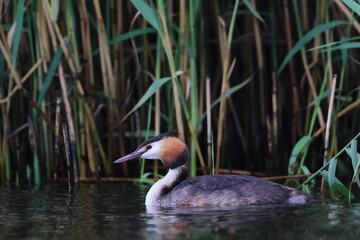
(148, 147)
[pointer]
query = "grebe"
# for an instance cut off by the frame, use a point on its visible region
(175, 189)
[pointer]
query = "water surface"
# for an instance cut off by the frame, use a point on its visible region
(117, 211)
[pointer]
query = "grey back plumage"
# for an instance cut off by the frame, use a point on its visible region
(222, 190)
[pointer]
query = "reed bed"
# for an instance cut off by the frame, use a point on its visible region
(248, 85)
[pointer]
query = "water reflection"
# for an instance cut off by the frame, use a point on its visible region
(213, 221)
(117, 211)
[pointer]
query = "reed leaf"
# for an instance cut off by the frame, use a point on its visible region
(334, 43)
(132, 34)
(156, 85)
(305, 169)
(253, 10)
(19, 18)
(299, 147)
(148, 13)
(343, 46)
(320, 97)
(331, 176)
(355, 160)
(305, 39)
(337, 185)
(228, 93)
(353, 5)
(305, 188)
(127, 36)
(145, 178)
(50, 75)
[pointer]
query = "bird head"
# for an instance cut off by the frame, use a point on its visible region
(167, 147)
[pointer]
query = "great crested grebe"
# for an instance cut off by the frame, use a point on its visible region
(175, 189)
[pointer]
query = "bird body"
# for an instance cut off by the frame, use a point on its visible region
(175, 189)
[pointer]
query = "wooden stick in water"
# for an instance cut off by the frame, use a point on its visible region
(68, 158)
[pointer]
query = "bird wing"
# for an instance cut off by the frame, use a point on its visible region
(227, 189)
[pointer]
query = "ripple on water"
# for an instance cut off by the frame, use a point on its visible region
(117, 211)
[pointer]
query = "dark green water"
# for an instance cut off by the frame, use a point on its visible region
(117, 211)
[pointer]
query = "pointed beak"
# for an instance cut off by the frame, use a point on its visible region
(131, 156)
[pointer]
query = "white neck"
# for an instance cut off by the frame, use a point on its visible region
(155, 194)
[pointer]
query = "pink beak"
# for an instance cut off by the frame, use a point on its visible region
(131, 156)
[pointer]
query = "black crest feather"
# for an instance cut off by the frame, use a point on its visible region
(172, 133)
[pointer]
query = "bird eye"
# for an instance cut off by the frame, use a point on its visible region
(148, 147)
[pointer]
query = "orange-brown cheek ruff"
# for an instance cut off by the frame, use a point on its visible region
(172, 149)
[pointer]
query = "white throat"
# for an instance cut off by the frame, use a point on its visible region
(154, 196)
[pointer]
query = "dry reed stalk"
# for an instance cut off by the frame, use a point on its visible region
(328, 40)
(270, 142)
(49, 25)
(275, 114)
(339, 115)
(22, 80)
(224, 52)
(208, 121)
(315, 54)
(108, 79)
(8, 58)
(225, 46)
(222, 40)
(241, 172)
(349, 108)
(118, 49)
(288, 176)
(296, 124)
(305, 15)
(121, 143)
(308, 72)
(167, 46)
(89, 146)
(86, 44)
(43, 35)
(54, 31)
(105, 59)
(95, 135)
(312, 89)
(238, 126)
(328, 124)
(2, 3)
(70, 121)
(157, 126)
(55, 27)
(157, 104)
(260, 62)
(109, 179)
(183, 53)
(348, 14)
(135, 49)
